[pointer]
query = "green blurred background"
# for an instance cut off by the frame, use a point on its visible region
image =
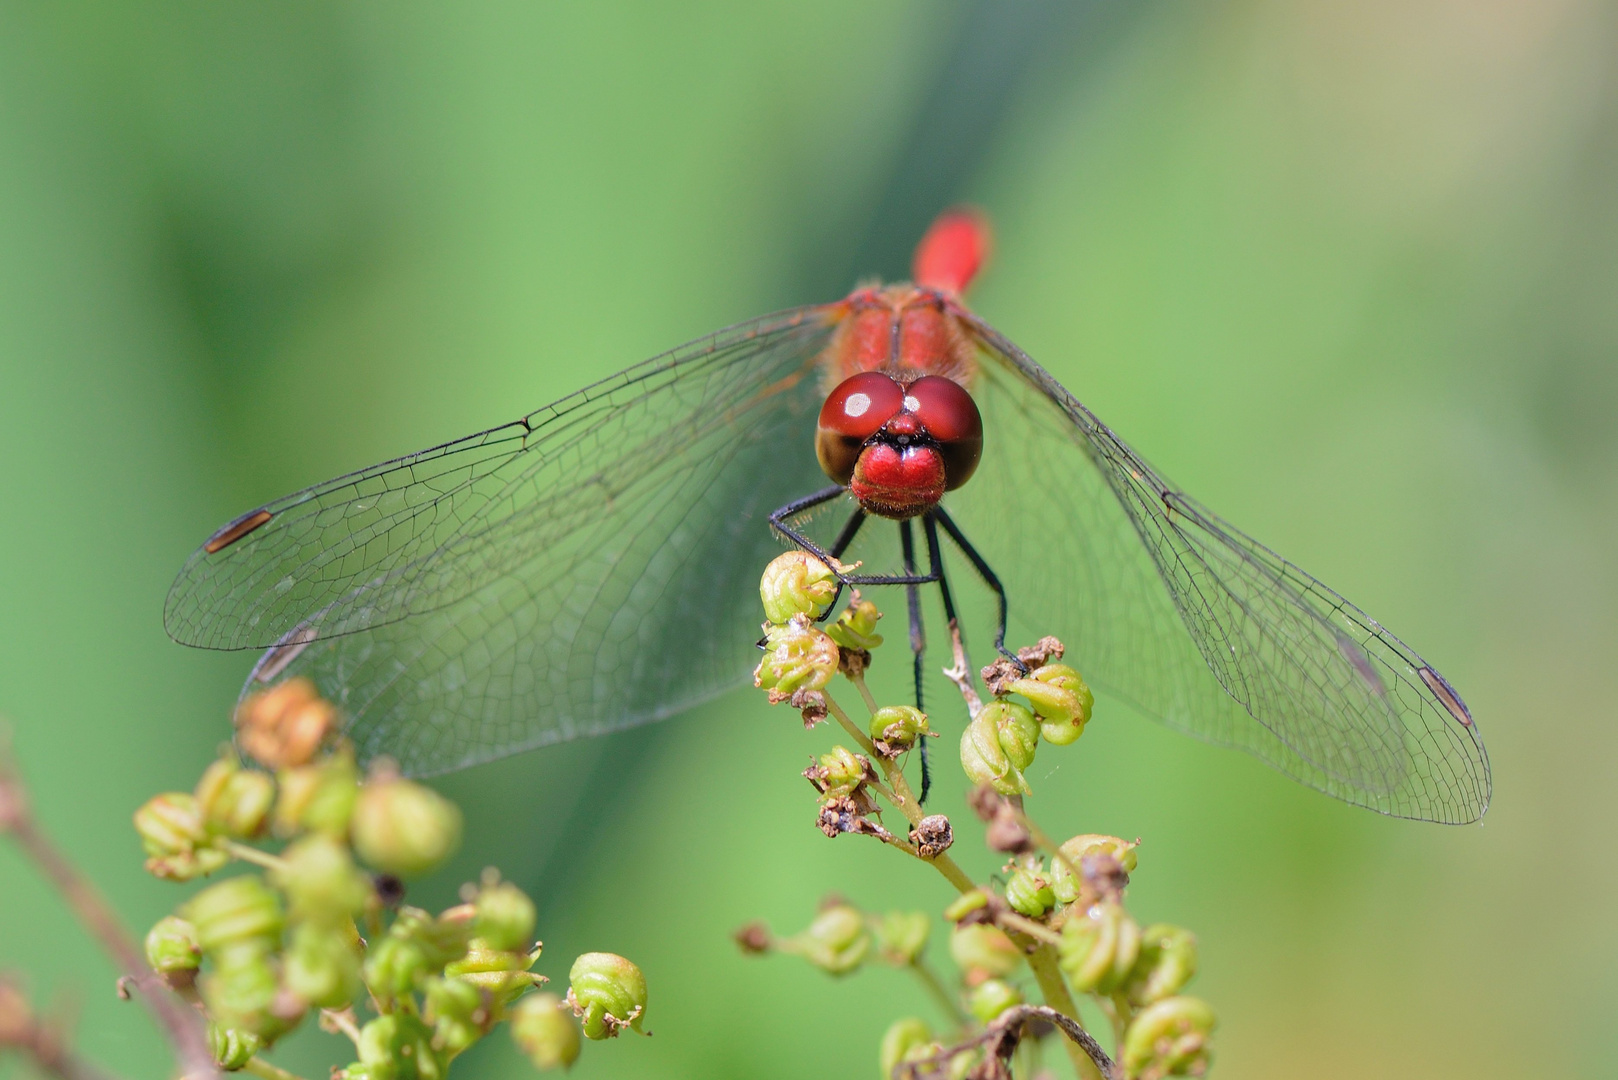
(1348, 272)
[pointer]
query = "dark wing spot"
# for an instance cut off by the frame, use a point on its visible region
(229, 534)
(1446, 694)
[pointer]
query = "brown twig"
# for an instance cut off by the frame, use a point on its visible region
(183, 1027)
(1003, 1035)
(41, 1040)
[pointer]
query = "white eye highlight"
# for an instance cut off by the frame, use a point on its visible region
(857, 404)
(911, 404)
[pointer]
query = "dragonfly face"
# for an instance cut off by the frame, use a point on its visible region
(539, 581)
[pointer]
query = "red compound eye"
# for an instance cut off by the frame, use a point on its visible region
(853, 412)
(951, 417)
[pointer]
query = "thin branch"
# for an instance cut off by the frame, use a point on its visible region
(1003, 1034)
(182, 1026)
(259, 1067)
(42, 1041)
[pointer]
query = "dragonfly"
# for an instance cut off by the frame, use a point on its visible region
(593, 565)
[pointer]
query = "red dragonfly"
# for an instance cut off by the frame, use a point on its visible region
(593, 565)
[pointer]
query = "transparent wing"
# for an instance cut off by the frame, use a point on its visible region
(1169, 607)
(569, 574)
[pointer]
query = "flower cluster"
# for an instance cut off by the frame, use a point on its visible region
(323, 929)
(1054, 925)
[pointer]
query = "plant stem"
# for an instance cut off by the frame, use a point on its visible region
(1049, 976)
(259, 1067)
(248, 853)
(904, 800)
(946, 1001)
(182, 1026)
(41, 1040)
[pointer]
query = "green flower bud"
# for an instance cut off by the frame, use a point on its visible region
(175, 839)
(237, 911)
(985, 759)
(232, 1049)
(1169, 1038)
(322, 965)
(544, 1032)
(991, 997)
(233, 800)
(984, 951)
(415, 946)
(1099, 948)
(836, 942)
(460, 1013)
(796, 583)
(173, 952)
(1168, 960)
(608, 994)
(321, 882)
(895, 728)
(1016, 729)
(398, 1047)
(901, 936)
(502, 973)
(1065, 884)
(901, 1039)
(855, 628)
(965, 904)
(1061, 700)
(842, 771)
(1028, 891)
(403, 828)
(318, 797)
(241, 991)
(797, 656)
(505, 917)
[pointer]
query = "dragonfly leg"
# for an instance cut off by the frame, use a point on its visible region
(779, 522)
(918, 639)
(988, 575)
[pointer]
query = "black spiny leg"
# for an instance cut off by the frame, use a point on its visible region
(988, 576)
(918, 639)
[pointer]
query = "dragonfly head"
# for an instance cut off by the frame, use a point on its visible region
(898, 446)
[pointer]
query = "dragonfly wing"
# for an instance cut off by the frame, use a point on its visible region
(1169, 607)
(420, 532)
(602, 574)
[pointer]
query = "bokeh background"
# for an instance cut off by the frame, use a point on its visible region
(1347, 271)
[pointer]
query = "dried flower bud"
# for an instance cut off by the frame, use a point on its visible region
(991, 997)
(544, 1032)
(173, 952)
(322, 965)
(984, 757)
(932, 836)
(321, 882)
(608, 994)
(836, 942)
(983, 951)
(1028, 891)
(902, 935)
(797, 657)
(900, 1041)
(1099, 948)
(1169, 1038)
(505, 916)
(318, 797)
(895, 729)
(1167, 961)
(284, 725)
(232, 1049)
(855, 628)
(1060, 699)
(1068, 887)
(796, 583)
(237, 911)
(233, 800)
(401, 827)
